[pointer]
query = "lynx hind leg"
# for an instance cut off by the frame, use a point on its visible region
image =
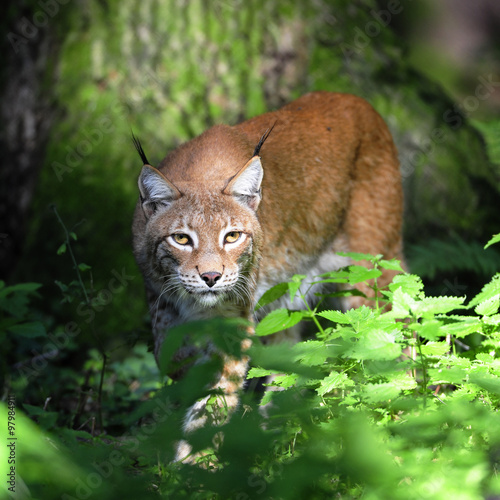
(374, 216)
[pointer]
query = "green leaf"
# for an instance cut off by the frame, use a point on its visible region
(493, 240)
(430, 306)
(20, 287)
(340, 276)
(376, 345)
(358, 274)
(73, 235)
(489, 290)
(360, 317)
(408, 283)
(335, 316)
(311, 352)
(402, 304)
(461, 326)
(294, 285)
(84, 267)
(488, 307)
(61, 249)
(429, 329)
(284, 381)
(30, 330)
(356, 256)
(334, 381)
(256, 372)
(278, 320)
(435, 348)
(272, 294)
(375, 393)
(486, 381)
(392, 265)
(352, 292)
(14, 299)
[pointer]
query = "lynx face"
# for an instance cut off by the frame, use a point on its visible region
(202, 244)
(201, 255)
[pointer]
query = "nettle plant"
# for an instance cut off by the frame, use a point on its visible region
(370, 356)
(380, 404)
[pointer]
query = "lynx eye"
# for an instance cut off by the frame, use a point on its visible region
(232, 236)
(182, 239)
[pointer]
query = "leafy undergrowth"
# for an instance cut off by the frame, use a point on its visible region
(378, 405)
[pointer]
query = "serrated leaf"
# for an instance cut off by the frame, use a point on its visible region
(489, 290)
(278, 320)
(256, 372)
(272, 294)
(32, 329)
(402, 304)
(356, 256)
(334, 381)
(486, 381)
(359, 317)
(485, 358)
(294, 285)
(463, 326)
(452, 375)
(335, 316)
(435, 348)
(352, 292)
(376, 345)
(375, 393)
(488, 307)
(284, 381)
(311, 352)
(359, 274)
(61, 249)
(391, 265)
(493, 240)
(430, 306)
(410, 284)
(429, 330)
(20, 287)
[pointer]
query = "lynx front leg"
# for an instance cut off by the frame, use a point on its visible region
(229, 384)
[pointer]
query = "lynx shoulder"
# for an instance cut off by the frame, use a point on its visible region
(220, 220)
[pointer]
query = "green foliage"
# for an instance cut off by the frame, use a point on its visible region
(379, 404)
(452, 255)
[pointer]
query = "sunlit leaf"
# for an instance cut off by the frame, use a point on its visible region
(272, 294)
(493, 240)
(278, 320)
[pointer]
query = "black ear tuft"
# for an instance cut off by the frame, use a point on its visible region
(141, 152)
(263, 139)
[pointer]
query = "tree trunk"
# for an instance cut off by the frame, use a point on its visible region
(29, 47)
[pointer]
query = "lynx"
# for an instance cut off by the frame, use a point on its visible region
(239, 209)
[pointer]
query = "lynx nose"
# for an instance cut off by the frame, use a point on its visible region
(211, 278)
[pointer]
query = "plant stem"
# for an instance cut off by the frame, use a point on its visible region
(89, 304)
(70, 250)
(424, 371)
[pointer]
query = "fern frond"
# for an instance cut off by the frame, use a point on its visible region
(452, 255)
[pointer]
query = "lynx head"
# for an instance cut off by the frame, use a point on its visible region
(202, 236)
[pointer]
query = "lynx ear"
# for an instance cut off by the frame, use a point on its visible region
(245, 185)
(157, 191)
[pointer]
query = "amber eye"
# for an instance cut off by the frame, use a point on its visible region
(182, 239)
(232, 237)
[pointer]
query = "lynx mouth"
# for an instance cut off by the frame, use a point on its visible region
(208, 298)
